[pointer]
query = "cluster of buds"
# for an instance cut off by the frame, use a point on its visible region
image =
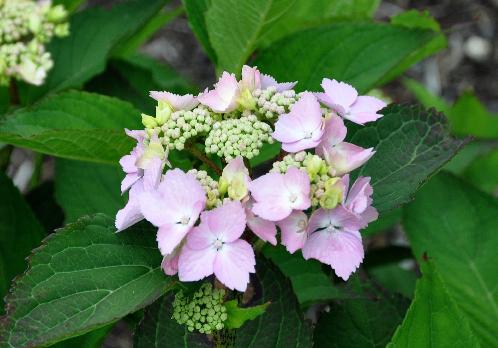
(272, 103)
(25, 27)
(204, 312)
(206, 225)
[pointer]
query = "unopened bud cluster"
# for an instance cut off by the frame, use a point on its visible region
(25, 27)
(270, 104)
(204, 312)
(209, 185)
(238, 137)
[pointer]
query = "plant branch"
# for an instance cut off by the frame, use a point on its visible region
(203, 158)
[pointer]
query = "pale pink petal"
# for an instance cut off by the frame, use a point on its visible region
(334, 133)
(195, 265)
(288, 129)
(338, 217)
(128, 181)
(308, 110)
(129, 163)
(269, 81)
(251, 78)
(346, 157)
(233, 263)
(138, 135)
(234, 167)
(365, 110)
(340, 95)
(271, 197)
(169, 236)
(156, 209)
(224, 97)
(153, 173)
(170, 262)
(131, 213)
(357, 199)
(271, 211)
(227, 222)
(300, 145)
(201, 237)
(264, 229)
(370, 214)
(297, 183)
(177, 102)
(294, 231)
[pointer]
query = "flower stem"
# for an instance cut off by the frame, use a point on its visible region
(13, 93)
(203, 158)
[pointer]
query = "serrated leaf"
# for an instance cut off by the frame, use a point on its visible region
(282, 324)
(234, 28)
(309, 282)
(94, 33)
(83, 277)
(20, 232)
(75, 125)
(411, 144)
(456, 224)
(367, 321)
(83, 188)
(237, 316)
(362, 54)
(433, 319)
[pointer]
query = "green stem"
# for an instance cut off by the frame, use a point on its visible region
(203, 158)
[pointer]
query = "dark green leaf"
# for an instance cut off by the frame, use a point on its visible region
(83, 188)
(368, 321)
(393, 277)
(76, 125)
(42, 201)
(456, 224)
(70, 5)
(92, 339)
(433, 319)
(196, 10)
(411, 145)
(362, 54)
(282, 324)
(159, 330)
(385, 221)
(83, 277)
(20, 232)
(94, 33)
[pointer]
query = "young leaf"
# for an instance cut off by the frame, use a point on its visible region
(83, 277)
(237, 316)
(282, 324)
(20, 232)
(433, 319)
(456, 224)
(76, 125)
(368, 321)
(94, 33)
(359, 53)
(83, 188)
(411, 144)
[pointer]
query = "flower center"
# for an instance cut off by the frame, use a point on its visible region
(308, 134)
(185, 220)
(293, 198)
(218, 244)
(301, 225)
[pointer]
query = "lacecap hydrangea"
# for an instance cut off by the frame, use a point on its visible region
(25, 27)
(208, 221)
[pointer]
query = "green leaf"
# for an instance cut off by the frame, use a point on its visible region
(92, 339)
(416, 19)
(94, 34)
(411, 144)
(385, 221)
(282, 324)
(483, 172)
(362, 54)
(158, 329)
(83, 277)
(234, 28)
(237, 316)
(469, 117)
(196, 10)
(310, 283)
(305, 14)
(76, 125)
(458, 164)
(425, 97)
(456, 224)
(70, 5)
(368, 321)
(20, 232)
(83, 188)
(42, 201)
(393, 277)
(433, 319)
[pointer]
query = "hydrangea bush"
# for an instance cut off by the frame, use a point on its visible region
(292, 203)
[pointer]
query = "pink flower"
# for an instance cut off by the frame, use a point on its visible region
(294, 230)
(264, 229)
(129, 165)
(177, 102)
(215, 247)
(131, 213)
(251, 78)
(359, 201)
(268, 81)
(223, 98)
(174, 207)
(170, 262)
(344, 100)
(334, 240)
(302, 127)
(341, 157)
(276, 195)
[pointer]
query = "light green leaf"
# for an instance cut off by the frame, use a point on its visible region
(411, 144)
(416, 19)
(367, 321)
(282, 325)
(362, 54)
(237, 316)
(425, 97)
(234, 28)
(76, 125)
(456, 224)
(94, 33)
(483, 172)
(433, 319)
(310, 283)
(83, 188)
(20, 232)
(83, 277)
(196, 11)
